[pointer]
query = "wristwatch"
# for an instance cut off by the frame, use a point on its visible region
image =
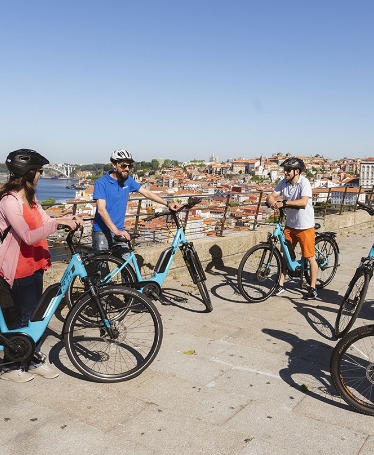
(284, 203)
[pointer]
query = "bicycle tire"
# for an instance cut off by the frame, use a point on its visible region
(197, 274)
(352, 302)
(255, 282)
(352, 369)
(137, 342)
(327, 257)
(95, 269)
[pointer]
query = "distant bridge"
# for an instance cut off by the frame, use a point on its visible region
(64, 169)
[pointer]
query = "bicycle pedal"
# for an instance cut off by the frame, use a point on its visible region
(159, 298)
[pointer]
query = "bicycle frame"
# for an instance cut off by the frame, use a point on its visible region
(162, 267)
(293, 265)
(47, 304)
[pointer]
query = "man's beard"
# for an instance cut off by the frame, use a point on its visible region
(120, 177)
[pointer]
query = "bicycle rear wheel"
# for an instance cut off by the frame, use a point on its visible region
(197, 273)
(327, 256)
(352, 369)
(259, 272)
(352, 302)
(137, 335)
(99, 267)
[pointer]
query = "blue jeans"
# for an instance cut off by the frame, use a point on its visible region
(26, 293)
(103, 240)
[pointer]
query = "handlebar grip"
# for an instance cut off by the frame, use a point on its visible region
(193, 200)
(120, 239)
(369, 209)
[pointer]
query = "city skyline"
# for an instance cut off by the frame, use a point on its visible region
(185, 80)
(227, 161)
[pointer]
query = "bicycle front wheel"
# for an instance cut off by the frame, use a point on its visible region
(137, 335)
(327, 257)
(104, 268)
(259, 272)
(352, 369)
(352, 302)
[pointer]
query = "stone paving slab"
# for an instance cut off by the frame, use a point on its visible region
(257, 383)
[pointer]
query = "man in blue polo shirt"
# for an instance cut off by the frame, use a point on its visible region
(111, 193)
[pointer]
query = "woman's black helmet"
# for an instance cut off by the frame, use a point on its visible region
(294, 163)
(21, 161)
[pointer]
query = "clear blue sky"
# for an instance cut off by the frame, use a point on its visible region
(185, 79)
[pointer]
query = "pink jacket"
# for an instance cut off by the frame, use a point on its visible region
(11, 213)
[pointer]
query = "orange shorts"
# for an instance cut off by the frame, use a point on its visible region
(305, 237)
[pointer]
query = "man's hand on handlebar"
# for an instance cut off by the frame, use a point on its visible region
(174, 206)
(123, 234)
(277, 205)
(274, 204)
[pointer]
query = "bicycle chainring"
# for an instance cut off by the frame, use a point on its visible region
(19, 347)
(152, 290)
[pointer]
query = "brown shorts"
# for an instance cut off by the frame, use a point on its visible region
(305, 237)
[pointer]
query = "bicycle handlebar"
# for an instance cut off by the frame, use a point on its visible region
(192, 201)
(369, 209)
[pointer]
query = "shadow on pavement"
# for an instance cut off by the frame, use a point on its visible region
(308, 367)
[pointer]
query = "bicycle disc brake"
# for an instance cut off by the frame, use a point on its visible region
(18, 347)
(370, 373)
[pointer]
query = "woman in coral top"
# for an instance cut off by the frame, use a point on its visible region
(24, 252)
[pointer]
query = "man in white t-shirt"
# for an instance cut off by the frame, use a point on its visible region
(296, 194)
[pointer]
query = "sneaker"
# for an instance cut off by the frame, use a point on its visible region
(17, 375)
(280, 290)
(311, 294)
(44, 369)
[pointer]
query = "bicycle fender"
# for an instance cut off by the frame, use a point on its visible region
(329, 235)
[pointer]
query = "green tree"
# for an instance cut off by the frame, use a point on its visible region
(48, 202)
(155, 165)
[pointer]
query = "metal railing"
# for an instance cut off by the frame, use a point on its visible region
(218, 216)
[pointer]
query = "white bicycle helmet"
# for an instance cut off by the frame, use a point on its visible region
(121, 155)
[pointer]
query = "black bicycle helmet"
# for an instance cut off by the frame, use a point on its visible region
(294, 163)
(21, 161)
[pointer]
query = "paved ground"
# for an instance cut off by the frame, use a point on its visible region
(256, 383)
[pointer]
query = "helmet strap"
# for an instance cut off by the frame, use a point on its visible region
(294, 175)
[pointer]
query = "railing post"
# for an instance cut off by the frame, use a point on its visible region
(185, 220)
(257, 209)
(358, 197)
(137, 216)
(220, 232)
(327, 200)
(342, 203)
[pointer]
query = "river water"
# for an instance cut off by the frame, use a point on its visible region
(55, 188)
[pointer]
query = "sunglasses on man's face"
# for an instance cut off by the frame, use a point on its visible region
(40, 171)
(287, 169)
(124, 165)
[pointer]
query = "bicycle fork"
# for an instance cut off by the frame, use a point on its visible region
(94, 292)
(192, 262)
(263, 268)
